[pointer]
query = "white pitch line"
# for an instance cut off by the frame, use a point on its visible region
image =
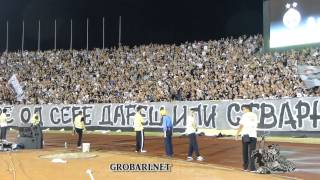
(89, 171)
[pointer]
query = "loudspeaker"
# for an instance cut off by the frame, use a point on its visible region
(30, 137)
(29, 142)
(25, 132)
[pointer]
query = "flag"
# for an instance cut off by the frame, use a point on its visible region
(310, 75)
(16, 87)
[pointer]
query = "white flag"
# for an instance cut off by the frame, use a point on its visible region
(310, 75)
(15, 86)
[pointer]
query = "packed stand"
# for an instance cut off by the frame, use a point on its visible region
(213, 70)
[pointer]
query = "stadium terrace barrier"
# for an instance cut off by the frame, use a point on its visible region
(296, 114)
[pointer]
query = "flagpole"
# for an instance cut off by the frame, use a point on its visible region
(39, 34)
(55, 34)
(103, 33)
(7, 38)
(22, 39)
(87, 34)
(119, 40)
(71, 34)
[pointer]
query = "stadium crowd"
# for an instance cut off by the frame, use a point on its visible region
(232, 68)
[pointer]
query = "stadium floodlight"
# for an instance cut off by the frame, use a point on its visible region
(292, 17)
(288, 27)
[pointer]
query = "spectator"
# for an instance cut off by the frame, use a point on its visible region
(213, 70)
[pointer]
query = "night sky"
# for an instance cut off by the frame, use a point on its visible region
(143, 21)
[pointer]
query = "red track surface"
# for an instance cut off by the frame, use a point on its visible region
(223, 152)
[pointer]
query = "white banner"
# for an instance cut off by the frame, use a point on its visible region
(16, 88)
(296, 114)
(310, 75)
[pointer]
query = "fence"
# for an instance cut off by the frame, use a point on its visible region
(70, 27)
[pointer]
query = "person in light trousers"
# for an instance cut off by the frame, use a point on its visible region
(191, 131)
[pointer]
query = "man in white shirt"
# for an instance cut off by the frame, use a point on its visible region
(3, 124)
(191, 131)
(138, 128)
(248, 129)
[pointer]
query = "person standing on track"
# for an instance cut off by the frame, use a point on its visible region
(167, 132)
(79, 127)
(35, 121)
(3, 124)
(191, 131)
(248, 129)
(138, 128)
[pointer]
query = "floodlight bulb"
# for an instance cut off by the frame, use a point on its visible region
(288, 6)
(294, 4)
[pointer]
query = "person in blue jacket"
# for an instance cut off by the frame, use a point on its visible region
(167, 131)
